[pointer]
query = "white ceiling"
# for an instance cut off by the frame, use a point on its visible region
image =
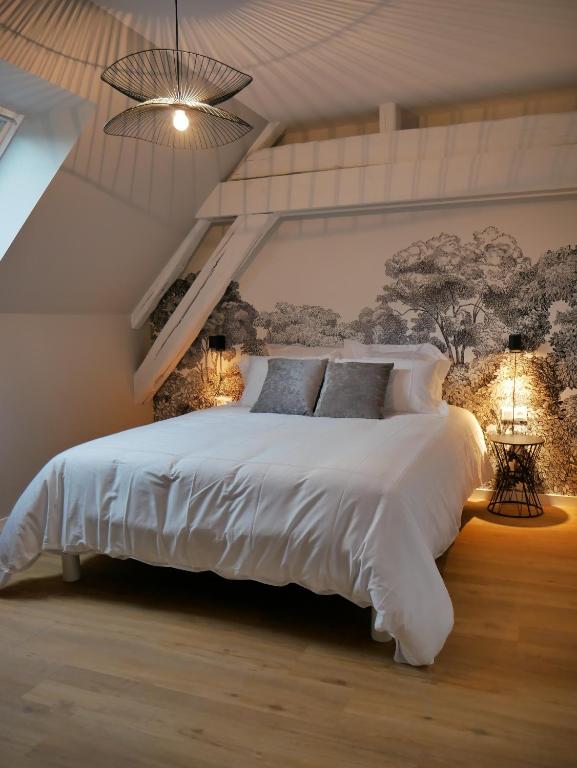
(315, 59)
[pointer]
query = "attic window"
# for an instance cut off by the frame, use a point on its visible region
(9, 122)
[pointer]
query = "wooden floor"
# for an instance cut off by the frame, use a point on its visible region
(137, 666)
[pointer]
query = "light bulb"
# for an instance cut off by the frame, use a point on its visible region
(180, 120)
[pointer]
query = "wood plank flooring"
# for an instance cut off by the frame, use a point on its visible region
(149, 667)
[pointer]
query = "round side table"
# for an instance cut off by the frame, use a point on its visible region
(515, 493)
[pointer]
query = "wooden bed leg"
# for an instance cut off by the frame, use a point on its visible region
(70, 568)
(378, 635)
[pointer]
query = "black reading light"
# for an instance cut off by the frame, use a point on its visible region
(515, 343)
(217, 343)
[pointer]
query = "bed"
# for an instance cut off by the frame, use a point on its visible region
(355, 507)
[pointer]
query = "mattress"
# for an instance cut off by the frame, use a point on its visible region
(355, 507)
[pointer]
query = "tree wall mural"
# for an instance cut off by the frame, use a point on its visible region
(463, 295)
(197, 380)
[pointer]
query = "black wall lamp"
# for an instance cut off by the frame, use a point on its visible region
(217, 343)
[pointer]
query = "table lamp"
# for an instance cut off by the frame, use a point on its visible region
(515, 347)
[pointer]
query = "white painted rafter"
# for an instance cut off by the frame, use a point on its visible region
(513, 174)
(389, 117)
(230, 256)
(269, 135)
(181, 257)
(407, 148)
(186, 322)
(170, 272)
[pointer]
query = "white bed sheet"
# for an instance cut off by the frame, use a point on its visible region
(355, 507)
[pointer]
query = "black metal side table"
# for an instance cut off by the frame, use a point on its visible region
(516, 483)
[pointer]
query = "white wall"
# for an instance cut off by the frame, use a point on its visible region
(64, 379)
(339, 261)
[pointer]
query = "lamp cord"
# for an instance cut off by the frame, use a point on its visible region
(514, 385)
(177, 49)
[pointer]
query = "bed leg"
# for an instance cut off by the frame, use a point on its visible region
(70, 568)
(378, 635)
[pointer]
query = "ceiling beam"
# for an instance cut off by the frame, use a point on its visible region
(170, 272)
(235, 249)
(411, 146)
(175, 266)
(514, 173)
(389, 117)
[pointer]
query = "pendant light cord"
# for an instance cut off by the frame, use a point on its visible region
(176, 22)
(177, 49)
(514, 387)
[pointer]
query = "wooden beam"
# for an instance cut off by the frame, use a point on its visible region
(174, 267)
(411, 146)
(170, 272)
(389, 117)
(234, 250)
(265, 140)
(267, 137)
(486, 176)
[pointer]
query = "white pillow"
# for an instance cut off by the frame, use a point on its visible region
(390, 352)
(356, 349)
(415, 384)
(255, 368)
(300, 350)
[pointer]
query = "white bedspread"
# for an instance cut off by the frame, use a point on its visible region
(356, 507)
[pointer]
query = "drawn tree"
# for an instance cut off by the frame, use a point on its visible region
(168, 303)
(465, 297)
(197, 378)
(233, 317)
(556, 282)
(303, 324)
(379, 325)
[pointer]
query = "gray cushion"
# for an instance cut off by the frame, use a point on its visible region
(354, 390)
(291, 386)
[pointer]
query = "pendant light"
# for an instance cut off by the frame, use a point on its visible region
(177, 93)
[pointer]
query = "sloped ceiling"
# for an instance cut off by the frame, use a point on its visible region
(117, 208)
(315, 59)
(54, 121)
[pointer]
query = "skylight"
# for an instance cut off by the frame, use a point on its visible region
(9, 122)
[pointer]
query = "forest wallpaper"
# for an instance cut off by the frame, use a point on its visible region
(463, 295)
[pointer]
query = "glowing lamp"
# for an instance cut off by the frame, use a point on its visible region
(223, 400)
(517, 415)
(515, 347)
(217, 343)
(180, 120)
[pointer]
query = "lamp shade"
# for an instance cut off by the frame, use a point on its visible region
(177, 92)
(515, 343)
(217, 342)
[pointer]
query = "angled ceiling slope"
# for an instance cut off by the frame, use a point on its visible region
(117, 208)
(54, 118)
(329, 58)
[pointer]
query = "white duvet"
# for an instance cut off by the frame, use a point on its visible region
(356, 507)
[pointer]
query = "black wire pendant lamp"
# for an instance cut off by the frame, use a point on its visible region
(178, 92)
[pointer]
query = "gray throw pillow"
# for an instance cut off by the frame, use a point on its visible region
(291, 386)
(354, 390)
